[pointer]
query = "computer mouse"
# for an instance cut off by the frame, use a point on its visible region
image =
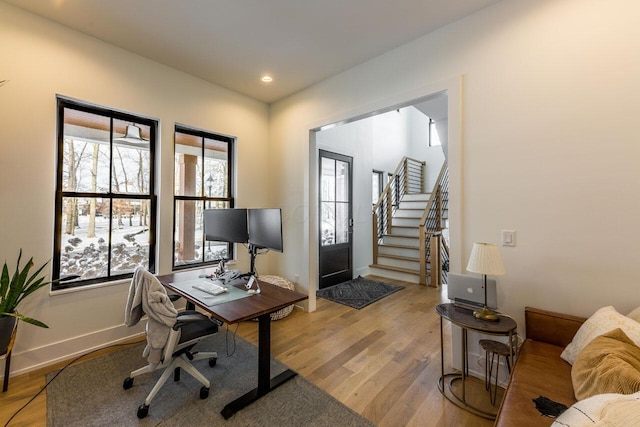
(253, 291)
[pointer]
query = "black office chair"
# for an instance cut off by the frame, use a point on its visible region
(185, 329)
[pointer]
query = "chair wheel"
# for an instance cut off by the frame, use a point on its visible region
(143, 410)
(128, 383)
(213, 361)
(204, 392)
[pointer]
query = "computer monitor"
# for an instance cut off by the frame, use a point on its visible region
(226, 225)
(265, 229)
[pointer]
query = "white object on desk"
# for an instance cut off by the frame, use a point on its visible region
(249, 286)
(210, 287)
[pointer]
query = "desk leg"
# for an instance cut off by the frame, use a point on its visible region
(265, 382)
(441, 354)
(464, 364)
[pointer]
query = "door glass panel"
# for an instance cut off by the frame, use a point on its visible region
(328, 182)
(342, 181)
(342, 222)
(327, 223)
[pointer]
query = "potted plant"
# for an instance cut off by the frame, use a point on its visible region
(16, 288)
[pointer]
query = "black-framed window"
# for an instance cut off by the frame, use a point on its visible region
(105, 211)
(203, 179)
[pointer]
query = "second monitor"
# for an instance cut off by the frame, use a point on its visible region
(259, 228)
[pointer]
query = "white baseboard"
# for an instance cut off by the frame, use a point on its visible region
(46, 355)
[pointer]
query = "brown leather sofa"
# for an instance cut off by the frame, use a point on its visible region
(539, 370)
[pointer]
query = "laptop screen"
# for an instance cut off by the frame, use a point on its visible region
(469, 290)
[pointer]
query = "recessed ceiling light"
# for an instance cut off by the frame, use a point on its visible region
(266, 78)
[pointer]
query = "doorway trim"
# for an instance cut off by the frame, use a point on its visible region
(454, 89)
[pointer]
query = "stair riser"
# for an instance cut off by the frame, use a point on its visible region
(409, 232)
(395, 240)
(386, 250)
(412, 222)
(413, 205)
(395, 275)
(412, 265)
(408, 213)
(416, 197)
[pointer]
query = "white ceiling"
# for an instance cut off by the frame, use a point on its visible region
(233, 42)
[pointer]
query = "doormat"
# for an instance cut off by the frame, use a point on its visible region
(358, 293)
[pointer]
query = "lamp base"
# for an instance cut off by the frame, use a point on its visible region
(486, 314)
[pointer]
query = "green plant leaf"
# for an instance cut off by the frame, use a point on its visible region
(26, 319)
(20, 286)
(4, 286)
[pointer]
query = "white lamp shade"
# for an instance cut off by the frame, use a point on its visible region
(485, 259)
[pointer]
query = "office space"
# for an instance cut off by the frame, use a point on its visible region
(549, 148)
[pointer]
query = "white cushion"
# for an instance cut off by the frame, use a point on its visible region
(634, 314)
(602, 410)
(602, 321)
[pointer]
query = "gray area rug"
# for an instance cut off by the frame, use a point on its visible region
(91, 394)
(359, 292)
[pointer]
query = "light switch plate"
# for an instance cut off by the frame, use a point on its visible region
(508, 237)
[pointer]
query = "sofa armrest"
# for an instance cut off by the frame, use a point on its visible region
(550, 327)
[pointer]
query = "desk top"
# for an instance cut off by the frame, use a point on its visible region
(464, 318)
(270, 299)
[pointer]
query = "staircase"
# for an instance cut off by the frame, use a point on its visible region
(397, 238)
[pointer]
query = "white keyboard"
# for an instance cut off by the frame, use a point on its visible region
(210, 287)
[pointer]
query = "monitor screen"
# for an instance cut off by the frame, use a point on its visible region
(226, 225)
(265, 228)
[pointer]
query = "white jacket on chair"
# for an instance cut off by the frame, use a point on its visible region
(148, 296)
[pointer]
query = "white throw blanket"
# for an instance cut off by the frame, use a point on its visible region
(148, 296)
(602, 410)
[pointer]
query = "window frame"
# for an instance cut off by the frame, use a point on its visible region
(231, 144)
(61, 194)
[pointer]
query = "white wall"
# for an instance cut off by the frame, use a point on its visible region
(549, 144)
(41, 59)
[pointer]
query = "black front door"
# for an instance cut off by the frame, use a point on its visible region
(336, 223)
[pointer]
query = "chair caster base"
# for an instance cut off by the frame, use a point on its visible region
(128, 383)
(204, 392)
(143, 411)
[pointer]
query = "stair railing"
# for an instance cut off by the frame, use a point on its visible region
(433, 247)
(406, 179)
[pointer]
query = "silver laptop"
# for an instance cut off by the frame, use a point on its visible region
(469, 290)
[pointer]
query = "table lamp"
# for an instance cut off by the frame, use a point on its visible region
(485, 259)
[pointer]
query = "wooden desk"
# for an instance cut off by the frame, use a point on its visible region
(271, 299)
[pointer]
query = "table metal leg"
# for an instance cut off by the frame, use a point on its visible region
(265, 382)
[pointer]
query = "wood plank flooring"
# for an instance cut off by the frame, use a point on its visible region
(382, 361)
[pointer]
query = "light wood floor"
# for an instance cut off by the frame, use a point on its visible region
(382, 361)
